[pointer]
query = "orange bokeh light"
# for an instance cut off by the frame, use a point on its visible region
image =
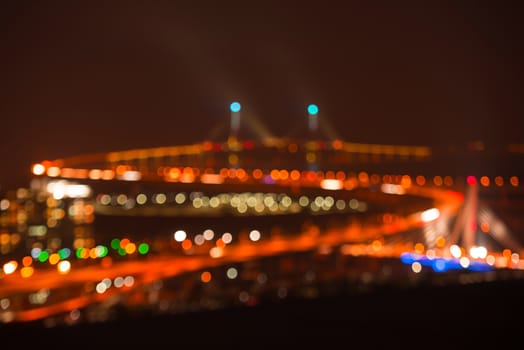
(187, 244)
(205, 276)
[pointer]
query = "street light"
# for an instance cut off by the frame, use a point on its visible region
(235, 108)
(312, 111)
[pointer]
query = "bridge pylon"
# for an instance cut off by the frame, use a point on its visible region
(475, 217)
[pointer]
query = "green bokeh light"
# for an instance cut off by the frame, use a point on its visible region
(101, 251)
(79, 253)
(115, 243)
(43, 256)
(143, 248)
(64, 253)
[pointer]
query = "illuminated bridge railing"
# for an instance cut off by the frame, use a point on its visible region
(246, 153)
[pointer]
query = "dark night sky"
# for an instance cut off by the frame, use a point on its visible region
(82, 76)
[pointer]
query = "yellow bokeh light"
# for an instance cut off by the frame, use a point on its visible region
(4, 238)
(130, 248)
(233, 159)
(377, 245)
(54, 259)
(311, 157)
(441, 241)
(27, 271)
(419, 248)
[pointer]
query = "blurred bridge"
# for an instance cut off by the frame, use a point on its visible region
(392, 203)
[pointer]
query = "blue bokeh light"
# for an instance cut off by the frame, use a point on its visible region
(235, 107)
(312, 109)
(443, 264)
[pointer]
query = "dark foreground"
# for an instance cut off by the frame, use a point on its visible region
(464, 314)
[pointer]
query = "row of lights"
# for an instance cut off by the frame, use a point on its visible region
(26, 271)
(477, 258)
(242, 202)
(117, 282)
(189, 174)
